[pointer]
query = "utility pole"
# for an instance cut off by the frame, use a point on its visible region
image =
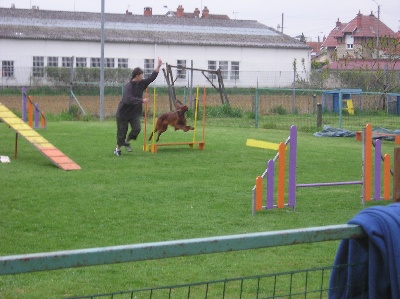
(377, 29)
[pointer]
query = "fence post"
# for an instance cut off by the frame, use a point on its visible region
(396, 176)
(319, 115)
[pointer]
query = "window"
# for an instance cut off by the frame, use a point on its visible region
(52, 61)
(212, 65)
(94, 62)
(7, 68)
(235, 70)
(349, 40)
(66, 61)
(123, 63)
(223, 66)
(181, 73)
(109, 62)
(148, 67)
(38, 66)
(80, 62)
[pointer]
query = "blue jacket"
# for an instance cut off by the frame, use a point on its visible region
(376, 273)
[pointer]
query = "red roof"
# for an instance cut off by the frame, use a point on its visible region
(365, 65)
(315, 46)
(360, 26)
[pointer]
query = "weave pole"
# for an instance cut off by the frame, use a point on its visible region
(146, 108)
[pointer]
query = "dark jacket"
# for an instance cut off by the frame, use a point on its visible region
(374, 270)
(130, 105)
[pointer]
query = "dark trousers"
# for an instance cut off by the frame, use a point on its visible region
(122, 129)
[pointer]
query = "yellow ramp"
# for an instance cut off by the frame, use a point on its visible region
(45, 147)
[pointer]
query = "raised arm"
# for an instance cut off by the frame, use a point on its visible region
(157, 69)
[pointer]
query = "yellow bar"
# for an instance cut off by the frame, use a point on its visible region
(195, 114)
(146, 108)
(262, 144)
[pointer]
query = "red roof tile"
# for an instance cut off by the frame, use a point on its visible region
(360, 26)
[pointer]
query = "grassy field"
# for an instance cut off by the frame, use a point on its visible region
(177, 193)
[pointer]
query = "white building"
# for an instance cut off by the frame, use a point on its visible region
(247, 52)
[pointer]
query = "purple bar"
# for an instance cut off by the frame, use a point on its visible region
(36, 115)
(377, 179)
(24, 103)
(330, 184)
(292, 167)
(270, 184)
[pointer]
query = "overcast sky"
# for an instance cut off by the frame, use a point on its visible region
(313, 17)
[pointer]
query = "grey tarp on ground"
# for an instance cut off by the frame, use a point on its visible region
(380, 133)
(328, 131)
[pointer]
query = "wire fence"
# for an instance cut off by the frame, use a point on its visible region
(308, 283)
(269, 108)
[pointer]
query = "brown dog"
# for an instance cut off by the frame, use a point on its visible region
(175, 119)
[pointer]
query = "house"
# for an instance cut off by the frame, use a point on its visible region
(364, 37)
(317, 52)
(245, 51)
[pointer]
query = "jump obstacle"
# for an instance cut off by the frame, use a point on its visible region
(280, 158)
(153, 146)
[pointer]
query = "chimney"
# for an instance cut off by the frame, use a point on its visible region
(196, 13)
(359, 17)
(148, 11)
(205, 13)
(338, 23)
(179, 11)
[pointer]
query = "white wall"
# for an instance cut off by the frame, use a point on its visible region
(269, 67)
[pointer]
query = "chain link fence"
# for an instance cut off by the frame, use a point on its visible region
(269, 99)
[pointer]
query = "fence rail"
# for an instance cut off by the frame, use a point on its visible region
(159, 250)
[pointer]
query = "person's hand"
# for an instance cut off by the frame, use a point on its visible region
(145, 100)
(159, 62)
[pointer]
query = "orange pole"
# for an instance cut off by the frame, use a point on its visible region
(396, 174)
(281, 175)
(367, 162)
(386, 177)
(42, 120)
(204, 112)
(259, 186)
(30, 112)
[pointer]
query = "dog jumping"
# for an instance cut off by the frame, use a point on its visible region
(176, 119)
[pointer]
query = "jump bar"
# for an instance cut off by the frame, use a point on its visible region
(330, 184)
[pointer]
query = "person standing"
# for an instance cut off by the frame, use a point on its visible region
(130, 107)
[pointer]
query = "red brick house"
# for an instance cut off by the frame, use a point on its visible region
(362, 38)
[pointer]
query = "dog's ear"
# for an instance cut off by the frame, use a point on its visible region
(178, 105)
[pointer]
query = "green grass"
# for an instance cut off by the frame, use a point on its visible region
(177, 193)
